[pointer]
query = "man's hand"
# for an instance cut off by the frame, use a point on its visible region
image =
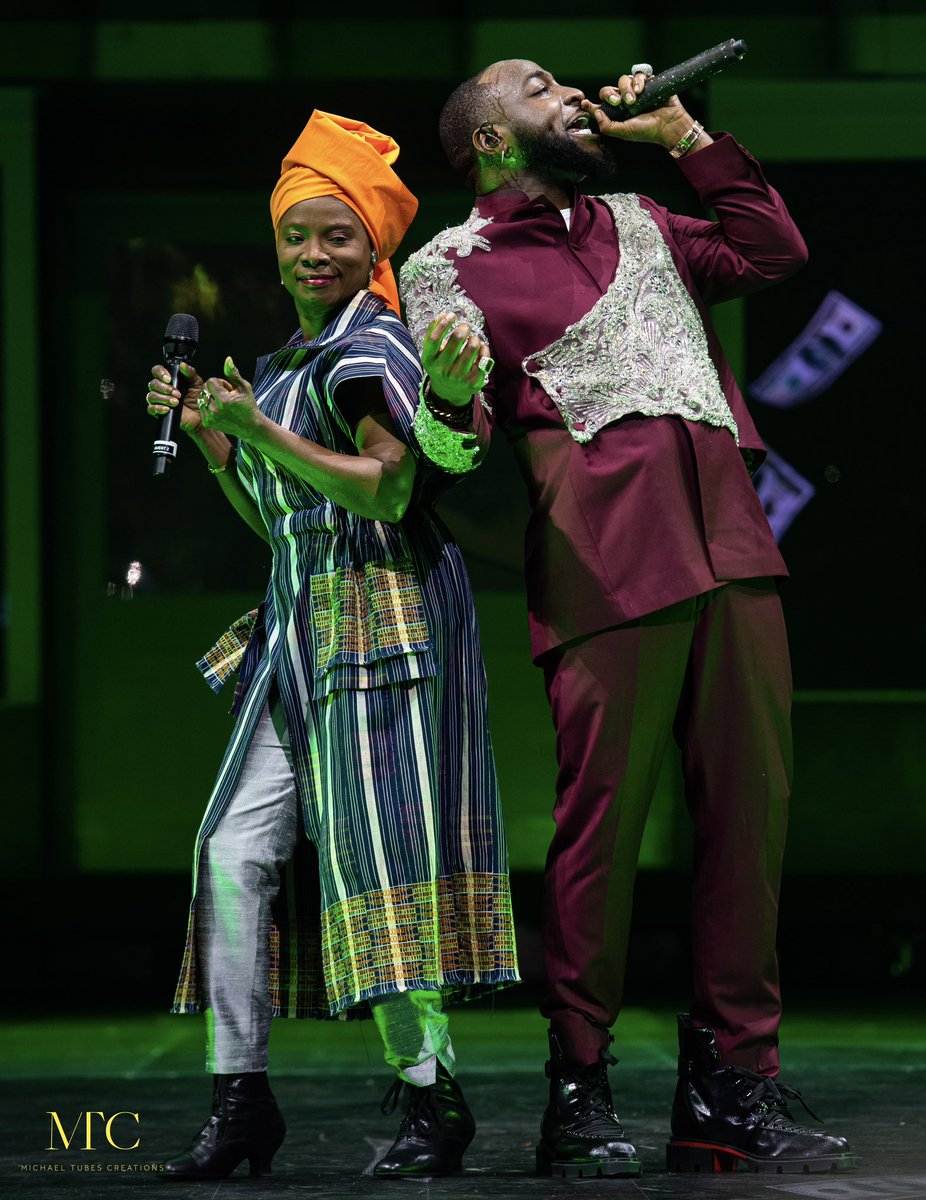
(665, 126)
(456, 360)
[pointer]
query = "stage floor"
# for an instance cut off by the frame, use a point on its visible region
(863, 1071)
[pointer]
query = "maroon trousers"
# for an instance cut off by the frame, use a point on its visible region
(714, 672)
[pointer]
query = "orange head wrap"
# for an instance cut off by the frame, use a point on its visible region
(335, 156)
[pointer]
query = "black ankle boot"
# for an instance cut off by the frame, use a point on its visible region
(436, 1128)
(245, 1124)
(725, 1118)
(580, 1134)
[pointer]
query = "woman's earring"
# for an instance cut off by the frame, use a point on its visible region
(373, 261)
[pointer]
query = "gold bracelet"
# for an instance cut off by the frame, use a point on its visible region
(225, 465)
(691, 138)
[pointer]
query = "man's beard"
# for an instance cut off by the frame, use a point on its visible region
(555, 157)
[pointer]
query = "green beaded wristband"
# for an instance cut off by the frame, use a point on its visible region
(454, 450)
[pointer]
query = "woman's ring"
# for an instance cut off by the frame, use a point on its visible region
(202, 402)
(641, 69)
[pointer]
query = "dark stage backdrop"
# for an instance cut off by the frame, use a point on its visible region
(854, 603)
(136, 158)
(147, 233)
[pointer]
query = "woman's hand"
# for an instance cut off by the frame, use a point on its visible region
(228, 405)
(456, 359)
(162, 397)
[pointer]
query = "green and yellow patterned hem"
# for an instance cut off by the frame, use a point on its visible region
(454, 935)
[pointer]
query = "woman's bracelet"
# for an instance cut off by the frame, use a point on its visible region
(455, 450)
(229, 462)
(456, 418)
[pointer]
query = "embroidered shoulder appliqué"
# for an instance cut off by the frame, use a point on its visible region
(429, 278)
(640, 349)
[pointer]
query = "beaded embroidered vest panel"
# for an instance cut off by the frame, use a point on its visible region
(640, 349)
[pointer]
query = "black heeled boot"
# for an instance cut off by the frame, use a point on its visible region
(580, 1134)
(436, 1128)
(726, 1118)
(245, 1124)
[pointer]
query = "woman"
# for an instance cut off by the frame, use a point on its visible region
(359, 782)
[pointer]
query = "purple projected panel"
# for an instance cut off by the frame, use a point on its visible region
(783, 492)
(835, 336)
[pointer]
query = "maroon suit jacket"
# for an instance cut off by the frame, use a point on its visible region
(653, 509)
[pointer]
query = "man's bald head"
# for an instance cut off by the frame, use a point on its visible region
(472, 104)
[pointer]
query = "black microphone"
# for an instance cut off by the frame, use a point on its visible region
(678, 79)
(181, 337)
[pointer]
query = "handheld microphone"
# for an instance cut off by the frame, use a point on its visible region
(678, 79)
(181, 337)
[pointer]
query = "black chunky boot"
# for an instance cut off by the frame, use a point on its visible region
(580, 1134)
(436, 1128)
(245, 1124)
(727, 1118)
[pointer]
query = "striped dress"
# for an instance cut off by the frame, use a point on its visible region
(369, 632)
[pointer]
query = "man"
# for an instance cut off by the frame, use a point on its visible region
(650, 573)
